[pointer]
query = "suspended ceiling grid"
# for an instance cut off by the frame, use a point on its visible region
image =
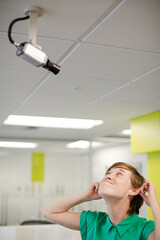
(113, 75)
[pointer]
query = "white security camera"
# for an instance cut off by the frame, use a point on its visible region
(37, 57)
(30, 51)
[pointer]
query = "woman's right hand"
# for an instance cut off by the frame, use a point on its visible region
(92, 192)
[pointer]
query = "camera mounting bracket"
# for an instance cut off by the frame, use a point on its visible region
(34, 13)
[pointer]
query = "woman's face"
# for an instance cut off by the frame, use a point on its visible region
(116, 184)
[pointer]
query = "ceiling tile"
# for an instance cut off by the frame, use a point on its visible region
(115, 110)
(153, 78)
(137, 92)
(107, 62)
(61, 19)
(18, 81)
(74, 86)
(51, 106)
(135, 25)
(9, 102)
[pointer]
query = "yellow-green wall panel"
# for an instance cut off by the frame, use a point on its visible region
(37, 167)
(146, 133)
(154, 174)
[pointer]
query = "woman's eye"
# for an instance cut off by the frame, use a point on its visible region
(119, 174)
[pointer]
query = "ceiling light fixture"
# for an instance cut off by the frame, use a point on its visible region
(127, 131)
(6, 144)
(51, 122)
(84, 144)
(79, 144)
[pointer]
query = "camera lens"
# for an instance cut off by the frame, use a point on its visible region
(52, 67)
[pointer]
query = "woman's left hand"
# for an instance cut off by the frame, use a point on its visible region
(148, 193)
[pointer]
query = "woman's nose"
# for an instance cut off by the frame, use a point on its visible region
(109, 176)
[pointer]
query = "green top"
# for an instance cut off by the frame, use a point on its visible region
(97, 226)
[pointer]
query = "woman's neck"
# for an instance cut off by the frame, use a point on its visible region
(117, 210)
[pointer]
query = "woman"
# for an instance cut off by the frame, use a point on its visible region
(123, 190)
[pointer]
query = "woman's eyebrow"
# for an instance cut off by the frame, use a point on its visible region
(120, 169)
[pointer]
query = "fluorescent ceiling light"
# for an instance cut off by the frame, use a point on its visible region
(127, 131)
(6, 144)
(51, 122)
(83, 144)
(79, 144)
(97, 144)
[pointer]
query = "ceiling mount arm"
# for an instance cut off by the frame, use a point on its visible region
(34, 13)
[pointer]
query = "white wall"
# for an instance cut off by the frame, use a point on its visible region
(103, 158)
(20, 199)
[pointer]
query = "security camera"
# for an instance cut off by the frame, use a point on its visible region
(30, 51)
(37, 57)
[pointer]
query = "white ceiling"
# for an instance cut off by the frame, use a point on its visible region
(114, 75)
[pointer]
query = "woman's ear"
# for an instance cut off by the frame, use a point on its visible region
(134, 192)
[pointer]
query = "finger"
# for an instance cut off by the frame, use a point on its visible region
(96, 186)
(138, 191)
(144, 197)
(142, 190)
(145, 187)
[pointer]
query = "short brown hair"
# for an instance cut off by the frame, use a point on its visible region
(137, 181)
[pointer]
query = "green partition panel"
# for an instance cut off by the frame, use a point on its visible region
(145, 138)
(37, 167)
(154, 174)
(146, 133)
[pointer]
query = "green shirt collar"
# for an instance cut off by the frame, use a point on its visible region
(123, 226)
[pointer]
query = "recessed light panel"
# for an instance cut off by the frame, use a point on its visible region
(127, 131)
(7, 144)
(51, 122)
